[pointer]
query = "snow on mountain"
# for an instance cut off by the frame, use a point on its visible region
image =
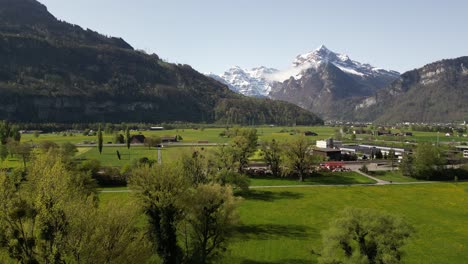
(251, 82)
(259, 81)
(322, 55)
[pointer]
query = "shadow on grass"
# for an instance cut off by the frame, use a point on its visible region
(271, 231)
(335, 179)
(269, 196)
(283, 261)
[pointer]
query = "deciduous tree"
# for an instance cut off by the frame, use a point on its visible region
(298, 157)
(272, 154)
(364, 236)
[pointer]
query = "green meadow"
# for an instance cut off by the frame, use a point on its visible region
(283, 225)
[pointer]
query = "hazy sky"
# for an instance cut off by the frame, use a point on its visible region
(212, 35)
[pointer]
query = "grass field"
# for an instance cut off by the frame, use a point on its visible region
(109, 154)
(323, 178)
(283, 225)
(394, 176)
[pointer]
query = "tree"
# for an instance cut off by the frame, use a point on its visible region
(107, 235)
(392, 156)
(49, 215)
(34, 213)
(427, 161)
(364, 236)
(298, 157)
(210, 215)
(127, 137)
(119, 139)
(159, 189)
(194, 167)
(243, 145)
(3, 152)
(100, 140)
(152, 141)
(406, 165)
(272, 154)
(68, 150)
(22, 150)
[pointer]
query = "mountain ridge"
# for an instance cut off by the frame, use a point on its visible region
(53, 71)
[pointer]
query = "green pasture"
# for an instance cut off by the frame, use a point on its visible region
(109, 154)
(283, 225)
(324, 178)
(394, 176)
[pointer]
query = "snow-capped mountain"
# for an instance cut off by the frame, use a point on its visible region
(259, 81)
(329, 83)
(253, 82)
(322, 55)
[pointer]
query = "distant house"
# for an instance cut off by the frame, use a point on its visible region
(383, 133)
(167, 139)
(310, 133)
(406, 134)
(329, 153)
(329, 143)
(156, 128)
(359, 131)
(137, 139)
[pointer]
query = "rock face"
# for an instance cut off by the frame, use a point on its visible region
(52, 71)
(437, 92)
(321, 81)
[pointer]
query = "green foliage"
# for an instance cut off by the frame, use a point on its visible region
(100, 140)
(152, 141)
(9, 131)
(127, 137)
(210, 217)
(427, 161)
(272, 154)
(298, 157)
(159, 189)
(242, 146)
(364, 236)
(119, 139)
(38, 234)
(195, 167)
(233, 178)
(406, 165)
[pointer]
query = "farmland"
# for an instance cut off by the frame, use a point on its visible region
(284, 225)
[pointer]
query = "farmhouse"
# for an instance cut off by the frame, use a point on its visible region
(167, 139)
(310, 133)
(329, 143)
(328, 153)
(137, 139)
(464, 150)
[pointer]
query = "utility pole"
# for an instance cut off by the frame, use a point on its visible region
(159, 156)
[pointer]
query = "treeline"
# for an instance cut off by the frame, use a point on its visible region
(252, 111)
(428, 163)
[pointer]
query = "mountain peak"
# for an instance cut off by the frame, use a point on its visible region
(323, 48)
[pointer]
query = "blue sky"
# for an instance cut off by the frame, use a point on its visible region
(212, 35)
